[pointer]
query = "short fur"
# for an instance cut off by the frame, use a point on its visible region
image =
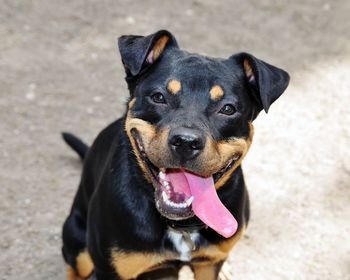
(114, 219)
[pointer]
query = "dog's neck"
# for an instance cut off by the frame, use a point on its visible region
(189, 225)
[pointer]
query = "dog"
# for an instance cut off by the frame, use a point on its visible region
(162, 186)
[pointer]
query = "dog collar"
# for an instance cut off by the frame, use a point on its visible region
(188, 226)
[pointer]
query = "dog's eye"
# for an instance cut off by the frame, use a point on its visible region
(228, 109)
(158, 98)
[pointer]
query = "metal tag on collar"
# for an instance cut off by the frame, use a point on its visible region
(189, 241)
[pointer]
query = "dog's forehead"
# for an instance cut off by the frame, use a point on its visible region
(194, 76)
(202, 68)
(195, 72)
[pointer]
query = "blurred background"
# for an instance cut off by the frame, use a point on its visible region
(60, 71)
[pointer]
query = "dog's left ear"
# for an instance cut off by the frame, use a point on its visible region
(267, 82)
(138, 52)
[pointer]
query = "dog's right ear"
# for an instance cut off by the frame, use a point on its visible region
(138, 52)
(266, 82)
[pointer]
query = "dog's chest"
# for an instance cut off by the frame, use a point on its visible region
(183, 242)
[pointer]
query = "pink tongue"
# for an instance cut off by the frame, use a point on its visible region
(206, 203)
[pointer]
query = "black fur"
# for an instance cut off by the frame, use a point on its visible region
(270, 81)
(76, 144)
(114, 206)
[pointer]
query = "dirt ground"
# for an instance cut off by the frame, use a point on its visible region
(60, 71)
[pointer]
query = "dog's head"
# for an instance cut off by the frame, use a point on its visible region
(190, 117)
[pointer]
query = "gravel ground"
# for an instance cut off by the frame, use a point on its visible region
(59, 70)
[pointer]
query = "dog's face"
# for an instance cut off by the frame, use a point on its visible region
(191, 115)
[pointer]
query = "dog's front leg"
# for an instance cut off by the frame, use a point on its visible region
(208, 271)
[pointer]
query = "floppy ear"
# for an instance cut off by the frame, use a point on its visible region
(266, 81)
(138, 52)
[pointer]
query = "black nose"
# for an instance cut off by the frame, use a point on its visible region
(186, 143)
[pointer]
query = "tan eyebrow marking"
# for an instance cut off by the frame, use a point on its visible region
(174, 86)
(216, 93)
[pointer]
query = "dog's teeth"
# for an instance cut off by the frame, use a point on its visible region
(171, 203)
(189, 201)
(165, 184)
(162, 175)
(175, 204)
(178, 205)
(165, 197)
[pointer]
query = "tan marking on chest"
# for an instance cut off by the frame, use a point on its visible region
(228, 244)
(174, 86)
(204, 272)
(131, 265)
(219, 252)
(216, 93)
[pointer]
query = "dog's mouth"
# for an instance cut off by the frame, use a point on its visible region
(180, 194)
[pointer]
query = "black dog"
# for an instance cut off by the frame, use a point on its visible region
(163, 186)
